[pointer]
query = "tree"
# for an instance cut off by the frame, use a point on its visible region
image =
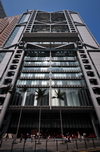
(24, 90)
(59, 96)
(40, 93)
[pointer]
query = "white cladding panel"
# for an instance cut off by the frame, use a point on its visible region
(76, 18)
(86, 36)
(95, 56)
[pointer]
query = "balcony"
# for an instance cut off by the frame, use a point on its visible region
(36, 65)
(66, 78)
(35, 71)
(64, 65)
(66, 71)
(34, 78)
(68, 86)
(31, 86)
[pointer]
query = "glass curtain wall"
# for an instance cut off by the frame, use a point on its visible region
(51, 72)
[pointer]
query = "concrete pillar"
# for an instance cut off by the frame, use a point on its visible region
(94, 126)
(7, 123)
(4, 108)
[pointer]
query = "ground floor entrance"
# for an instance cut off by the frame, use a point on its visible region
(50, 123)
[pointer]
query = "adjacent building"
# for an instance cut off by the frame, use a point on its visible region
(2, 11)
(55, 53)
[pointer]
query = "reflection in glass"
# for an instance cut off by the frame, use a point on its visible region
(72, 97)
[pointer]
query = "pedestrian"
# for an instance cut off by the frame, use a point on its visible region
(32, 138)
(82, 137)
(6, 137)
(68, 138)
(21, 137)
(65, 139)
(84, 134)
(78, 134)
(26, 136)
(38, 135)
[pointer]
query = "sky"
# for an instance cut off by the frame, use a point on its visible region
(89, 10)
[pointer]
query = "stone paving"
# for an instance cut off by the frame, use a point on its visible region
(51, 145)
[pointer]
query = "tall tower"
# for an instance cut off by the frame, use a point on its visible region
(2, 11)
(55, 53)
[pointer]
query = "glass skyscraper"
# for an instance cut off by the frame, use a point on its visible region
(2, 11)
(56, 53)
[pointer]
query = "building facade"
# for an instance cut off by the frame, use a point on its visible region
(6, 27)
(53, 53)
